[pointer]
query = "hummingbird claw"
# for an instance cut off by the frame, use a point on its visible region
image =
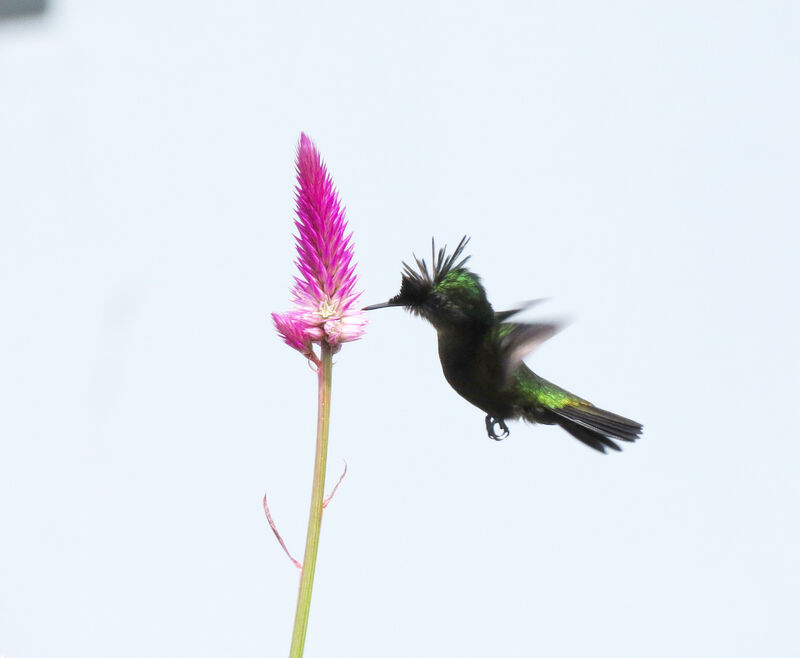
(491, 421)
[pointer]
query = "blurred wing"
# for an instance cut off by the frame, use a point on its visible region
(516, 340)
(502, 316)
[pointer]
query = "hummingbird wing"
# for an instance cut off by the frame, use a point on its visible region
(515, 340)
(502, 316)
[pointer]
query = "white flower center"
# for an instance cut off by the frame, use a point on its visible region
(328, 309)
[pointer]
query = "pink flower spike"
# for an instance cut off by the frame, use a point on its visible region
(323, 294)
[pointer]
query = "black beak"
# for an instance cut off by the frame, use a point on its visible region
(391, 302)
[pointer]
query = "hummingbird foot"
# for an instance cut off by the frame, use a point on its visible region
(491, 422)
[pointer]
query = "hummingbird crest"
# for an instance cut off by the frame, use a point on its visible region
(447, 294)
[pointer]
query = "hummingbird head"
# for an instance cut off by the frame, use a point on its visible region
(447, 294)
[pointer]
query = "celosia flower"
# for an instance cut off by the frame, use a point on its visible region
(324, 294)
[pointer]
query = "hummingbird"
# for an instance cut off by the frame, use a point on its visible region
(481, 351)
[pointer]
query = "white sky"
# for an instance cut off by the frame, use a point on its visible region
(638, 164)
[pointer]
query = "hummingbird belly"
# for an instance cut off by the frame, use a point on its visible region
(479, 383)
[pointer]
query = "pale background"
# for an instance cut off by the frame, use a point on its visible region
(637, 163)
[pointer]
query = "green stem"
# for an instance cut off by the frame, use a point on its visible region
(317, 495)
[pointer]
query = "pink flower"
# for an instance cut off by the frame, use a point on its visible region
(324, 293)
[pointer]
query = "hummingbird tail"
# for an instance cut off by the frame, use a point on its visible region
(596, 427)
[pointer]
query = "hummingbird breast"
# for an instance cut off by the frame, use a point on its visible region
(475, 372)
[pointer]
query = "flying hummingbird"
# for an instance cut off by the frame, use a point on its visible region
(481, 352)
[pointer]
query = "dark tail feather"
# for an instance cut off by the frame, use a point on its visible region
(596, 427)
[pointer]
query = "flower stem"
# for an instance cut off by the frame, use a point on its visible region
(317, 496)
